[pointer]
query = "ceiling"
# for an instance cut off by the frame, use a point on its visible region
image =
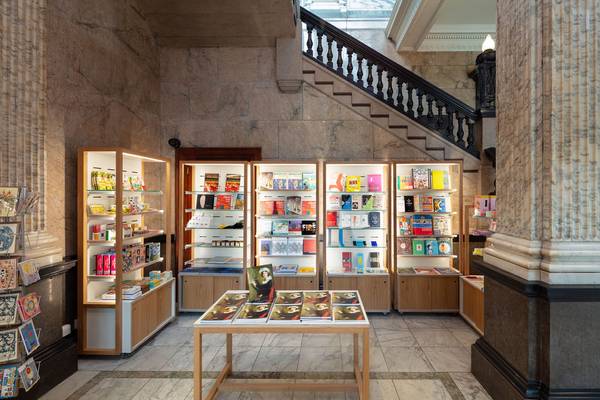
(207, 23)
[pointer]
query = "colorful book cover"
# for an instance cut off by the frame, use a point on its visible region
(367, 202)
(439, 178)
(344, 297)
(295, 181)
(8, 273)
(266, 180)
(220, 313)
(346, 202)
(347, 261)
(29, 306)
(333, 202)
(421, 178)
(309, 181)
(223, 202)
(8, 345)
(444, 247)
(295, 227)
(309, 227)
(356, 201)
(279, 207)
(310, 246)
(279, 181)
(265, 247)
(374, 218)
(360, 263)
(288, 297)
(374, 182)
(279, 246)
(295, 246)
(233, 298)
(307, 269)
(8, 308)
(405, 182)
(232, 182)
(440, 204)
(239, 202)
(374, 260)
(404, 246)
(426, 203)
(9, 377)
(253, 313)
(211, 182)
(418, 247)
(409, 204)
(260, 283)
(319, 311)
(315, 297)
(404, 227)
(285, 313)
(266, 207)
(309, 208)
(205, 201)
(422, 225)
(400, 207)
(336, 184)
(348, 313)
(441, 225)
(29, 374)
(280, 228)
(289, 269)
(29, 337)
(353, 183)
(431, 247)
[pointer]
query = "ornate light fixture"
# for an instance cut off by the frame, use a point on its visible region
(488, 44)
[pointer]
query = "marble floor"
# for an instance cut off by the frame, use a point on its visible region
(412, 357)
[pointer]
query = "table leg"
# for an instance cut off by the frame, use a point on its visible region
(355, 351)
(229, 345)
(197, 365)
(365, 366)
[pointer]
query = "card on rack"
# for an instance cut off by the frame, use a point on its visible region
(29, 272)
(9, 378)
(8, 273)
(232, 182)
(9, 197)
(8, 345)
(29, 306)
(211, 182)
(205, 201)
(29, 337)
(374, 182)
(266, 180)
(29, 374)
(295, 227)
(346, 202)
(333, 201)
(404, 246)
(8, 308)
(309, 181)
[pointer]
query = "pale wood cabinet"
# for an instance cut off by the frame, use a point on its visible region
(199, 292)
(374, 290)
(296, 283)
(427, 293)
(472, 301)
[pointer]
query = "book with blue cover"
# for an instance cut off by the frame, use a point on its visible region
(422, 225)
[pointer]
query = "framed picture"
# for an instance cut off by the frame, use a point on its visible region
(9, 197)
(8, 308)
(8, 273)
(29, 337)
(8, 238)
(8, 345)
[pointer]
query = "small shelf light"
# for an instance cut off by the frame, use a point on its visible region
(488, 44)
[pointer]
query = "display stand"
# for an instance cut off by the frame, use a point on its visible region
(356, 199)
(213, 226)
(428, 224)
(472, 301)
(126, 289)
(285, 228)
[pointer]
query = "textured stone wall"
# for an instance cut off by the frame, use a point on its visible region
(103, 90)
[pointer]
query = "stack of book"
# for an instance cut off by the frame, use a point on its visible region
(316, 308)
(129, 293)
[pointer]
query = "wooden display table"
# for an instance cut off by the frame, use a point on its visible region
(357, 328)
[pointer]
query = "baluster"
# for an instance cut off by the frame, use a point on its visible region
(420, 103)
(471, 137)
(400, 96)
(459, 131)
(359, 71)
(350, 67)
(440, 106)
(340, 59)
(390, 89)
(329, 51)
(379, 81)
(450, 126)
(309, 41)
(369, 75)
(409, 101)
(429, 107)
(319, 44)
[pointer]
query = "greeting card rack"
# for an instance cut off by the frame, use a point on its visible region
(285, 229)
(356, 198)
(427, 235)
(126, 288)
(213, 226)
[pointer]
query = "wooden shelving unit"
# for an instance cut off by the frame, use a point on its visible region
(359, 241)
(202, 279)
(417, 290)
(263, 224)
(111, 327)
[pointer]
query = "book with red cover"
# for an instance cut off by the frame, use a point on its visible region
(266, 207)
(223, 202)
(310, 246)
(422, 225)
(347, 261)
(309, 208)
(232, 182)
(279, 207)
(211, 182)
(332, 219)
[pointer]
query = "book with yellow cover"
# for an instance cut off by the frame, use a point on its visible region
(439, 179)
(353, 183)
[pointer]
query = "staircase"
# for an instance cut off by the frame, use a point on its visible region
(388, 94)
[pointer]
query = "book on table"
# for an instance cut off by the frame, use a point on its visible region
(253, 313)
(348, 313)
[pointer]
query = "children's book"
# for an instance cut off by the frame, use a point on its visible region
(346, 202)
(404, 227)
(9, 377)
(8, 345)
(29, 374)
(309, 208)
(353, 183)
(422, 225)
(29, 306)
(309, 181)
(260, 284)
(205, 201)
(333, 202)
(8, 308)
(266, 180)
(223, 202)
(232, 182)
(421, 178)
(211, 182)
(440, 204)
(418, 247)
(444, 247)
(29, 337)
(431, 247)
(374, 182)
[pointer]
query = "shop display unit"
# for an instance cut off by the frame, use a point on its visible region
(480, 223)
(213, 228)
(472, 301)
(427, 235)
(285, 228)
(126, 286)
(356, 202)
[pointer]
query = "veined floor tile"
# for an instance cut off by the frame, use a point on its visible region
(320, 340)
(277, 359)
(395, 338)
(469, 386)
(149, 358)
(318, 395)
(424, 321)
(455, 322)
(207, 385)
(268, 395)
(187, 319)
(406, 359)
(347, 340)
(388, 323)
(421, 389)
(243, 359)
(99, 364)
(165, 389)
(115, 389)
(380, 389)
(251, 340)
(449, 359)
(213, 339)
(376, 360)
(320, 359)
(183, 359)
(283, 340)
(466, 336)
(173, 336)
(435, 338)
(69, 385)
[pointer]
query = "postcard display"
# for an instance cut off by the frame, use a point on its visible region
(428, 209)
(285, 226)
(127, 290)
(214, 228)
(356, 231)
(19, 336)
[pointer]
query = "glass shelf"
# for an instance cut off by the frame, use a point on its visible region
(424, 191)
(210, 210)
(371, 193)
(113, 192)
(400, 214)
(287, 217)
(438, 256)
(241, 191)
(426, 236)
(356, 229)
(284, 236)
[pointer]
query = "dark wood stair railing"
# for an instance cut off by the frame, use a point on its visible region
(389, 82)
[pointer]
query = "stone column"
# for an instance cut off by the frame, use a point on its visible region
(542, 287)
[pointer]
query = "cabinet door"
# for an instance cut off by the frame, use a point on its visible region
(341, 283)
(473, 304)
(374, 292)
(444, 293)
(223, 284)
(164, 303)
(150, 312)
(307, 283)
(197, 292)
(414, 293)
(137, 323)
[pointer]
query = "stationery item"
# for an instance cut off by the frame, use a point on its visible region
(347, 261)
(232, 182)
(422, 225)
(444, 247)
(333, 202)
(353, 183)
(344, 297)
(9, 377)
(205, 201)
(29, 306)
(309, 246)
(440, 204)
(8, 201)
(346, 202)
(404, 227)
(348, 313)
(421, 178)
(260, 283)
(409, 203)
(211, 182)
(439, 179)
(29, 374)
(418, 247)
(309, 208)
(431, 247)
(309, 227)
(374, 218)
(337, 184)
(8, 308)
(29, 272)
(8, 345)
(374, 182)
(400, 207)
(309, 181)
(223, 202)
(360, 263)
(29, 337)
(285, 313)
(404, 246)
(252, 313)
(8, 238)
(266, 180)
(8, 273)
(405, 182)
(288, 297)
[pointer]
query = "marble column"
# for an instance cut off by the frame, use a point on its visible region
(548, 171)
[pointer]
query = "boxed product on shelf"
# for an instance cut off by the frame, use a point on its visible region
(152, 251)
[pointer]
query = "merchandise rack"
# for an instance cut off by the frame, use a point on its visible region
(201, 280)
(424, 292)
(112, 327)
(375, 287)
(263, 224)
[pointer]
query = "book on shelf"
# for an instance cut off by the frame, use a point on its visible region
(280, 181)
(205, 201)
(378, 202)
(356, 201)
(238, 203)
(422, 225)
(294, 297)
(344, 297)
(332, 219)
(441, 225)
(266, 180)
(309, 227)
(309, 208)
(368, 202)
(280, 227)
(336, 183)
(404, 246)
(405, 182)
(307, 270)
(334, 239)
(444, 247)
(288, 269)
(285, 314)
(374, 183)
(295, 246)
(265, 247)
(346, 202)
(425, 203)
(353, 183)
(333, 201)
(295, 181)
(266, 207)
(348, 313)
(441, 204)
(310, 246)
(279, 207)
(409, 204)
(279, 246)
(418, 247)
(404, 225)
(253, 313)
(223, 202)
(374, 219)
(439, 179)
(360, 263)
(264, 227)
(374, 260)
(421, 178)
(309, 181)
(295, 227)
(232, 182)
(211, 182)
(431, 247)
(400, 207)
(316, 312)
(293, 205)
